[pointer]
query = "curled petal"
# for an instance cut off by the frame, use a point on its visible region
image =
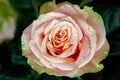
(45, 18)
(51, 26)
(47, 56)
(101, 53)
(94, 20)
(70, 20)
(73, 41)
(94, 65)
(90, 36)
(39, 35)
(38, 54)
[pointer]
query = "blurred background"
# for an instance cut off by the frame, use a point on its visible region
(16, 15)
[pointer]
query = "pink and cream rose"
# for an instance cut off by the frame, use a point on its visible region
(65, 41)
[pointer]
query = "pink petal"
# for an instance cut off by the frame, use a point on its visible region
(85, 53)
(94, 20)
(67, 10)
(70, 20)
(94, 65)
(89, 33)
(39, 35)
(101, 53)
(46, 55)
(26, 36)
(38, 54)
(59, 72)
(73, 41)
(51, 26)
(45, 18)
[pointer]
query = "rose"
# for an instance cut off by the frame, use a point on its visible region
(65, 41)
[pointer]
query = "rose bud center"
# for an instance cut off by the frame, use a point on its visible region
(60, 41)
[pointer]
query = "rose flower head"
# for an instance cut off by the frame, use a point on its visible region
(65, 40)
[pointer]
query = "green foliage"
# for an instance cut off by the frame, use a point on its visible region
(6, 11)
(84, 2)
(14, 66)
(111, 18)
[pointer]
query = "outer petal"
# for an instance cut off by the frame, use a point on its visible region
(95, 20)
(36, 65)
(101, 53)
(26, 36)
(94, 65)
(67, 10)
(38, 55)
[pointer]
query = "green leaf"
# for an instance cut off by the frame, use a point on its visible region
(114, 41)
(84, 2)
(6, 12)
(47, 7)
(111, 18)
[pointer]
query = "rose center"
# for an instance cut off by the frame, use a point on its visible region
(61, 34)
(60, 42)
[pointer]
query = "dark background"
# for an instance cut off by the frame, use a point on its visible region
(14, 66)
